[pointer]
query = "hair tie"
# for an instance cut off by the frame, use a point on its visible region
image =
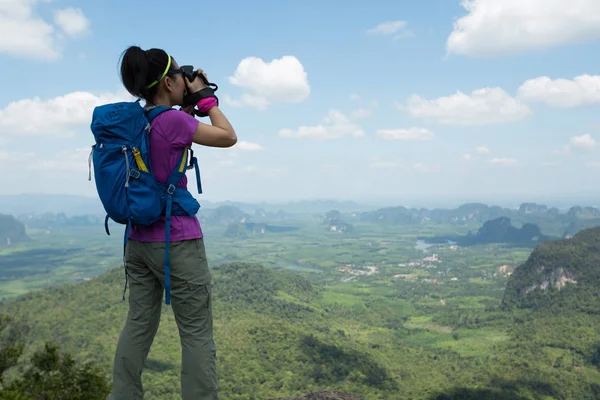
(163, 74)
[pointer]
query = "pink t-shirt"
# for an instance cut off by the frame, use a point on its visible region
(171, 132)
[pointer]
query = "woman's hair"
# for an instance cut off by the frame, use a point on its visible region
(141, 68)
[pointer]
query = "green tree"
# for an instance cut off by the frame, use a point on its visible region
(52, 375)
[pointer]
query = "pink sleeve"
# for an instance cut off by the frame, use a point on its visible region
(178, 127)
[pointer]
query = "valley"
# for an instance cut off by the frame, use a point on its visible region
(376, 310)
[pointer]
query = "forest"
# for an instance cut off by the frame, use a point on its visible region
(375, 313)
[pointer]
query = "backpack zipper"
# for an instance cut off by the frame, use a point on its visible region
(124, 151)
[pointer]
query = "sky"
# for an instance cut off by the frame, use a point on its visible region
(395, 101)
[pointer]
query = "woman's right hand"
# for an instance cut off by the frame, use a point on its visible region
(198, 83)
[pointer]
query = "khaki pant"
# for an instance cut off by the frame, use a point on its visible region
(192, 307)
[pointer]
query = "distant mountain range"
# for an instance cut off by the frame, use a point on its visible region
(80, 205)
(45, 210)
(550, 220)
(498, 230)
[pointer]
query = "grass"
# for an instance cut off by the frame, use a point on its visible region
(366, 301)
(411, 326)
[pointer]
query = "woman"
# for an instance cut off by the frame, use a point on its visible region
(155, 76)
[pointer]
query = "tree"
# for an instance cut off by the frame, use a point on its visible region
(52, 375)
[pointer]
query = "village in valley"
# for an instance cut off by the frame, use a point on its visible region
(427, 269)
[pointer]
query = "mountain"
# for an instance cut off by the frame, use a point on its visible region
(226, 215)
(335, 223)
(549, 219)
(560, 274)
(273, 336)
(279, 335)
(50, 221)
(501, 230)
(39, 203)
(12, 231)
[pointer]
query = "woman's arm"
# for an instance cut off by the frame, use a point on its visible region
(219, 134)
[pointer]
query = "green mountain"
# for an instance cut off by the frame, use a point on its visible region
(273, 336)
(12, 231)
(279, 335)
(501, 230)
(559, 274)
(549, 219)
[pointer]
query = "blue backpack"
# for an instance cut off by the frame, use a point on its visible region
(125, 183)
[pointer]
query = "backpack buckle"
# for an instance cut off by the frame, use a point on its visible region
(134, 173)
(171, 189)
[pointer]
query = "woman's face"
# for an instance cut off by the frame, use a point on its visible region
(176, 85)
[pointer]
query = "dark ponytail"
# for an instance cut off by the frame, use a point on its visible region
(140, 68)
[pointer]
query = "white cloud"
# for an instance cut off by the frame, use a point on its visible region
(24, 34)
(225, 163)
(388, 28)
(593, 164)
(249, 146)
(406, 134)
(481, 107)
(481, 150)
(279, 81)
(385, 164)
(419, 167)
(585, 142)
(497, 27)
(337, 126)
(562, 93)
(75, 160)
(354, 97)
(60, 116)
(72, 21)
(361, 113)
(503, 161)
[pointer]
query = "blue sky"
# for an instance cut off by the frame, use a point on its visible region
(435, 101)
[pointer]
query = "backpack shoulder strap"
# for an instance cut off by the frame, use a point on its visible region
(176, 175)
(155, 111)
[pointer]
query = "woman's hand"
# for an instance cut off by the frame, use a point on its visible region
(198, 83)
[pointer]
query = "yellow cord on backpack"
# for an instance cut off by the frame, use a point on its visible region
(138, 160)
(184, 160)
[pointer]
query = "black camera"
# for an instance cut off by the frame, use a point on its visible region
(193, 98)
(191, 74)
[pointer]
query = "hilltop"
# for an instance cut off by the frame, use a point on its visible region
(499, 230)
(561, 273)
(269, 327)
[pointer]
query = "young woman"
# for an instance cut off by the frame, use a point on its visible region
(155, 76)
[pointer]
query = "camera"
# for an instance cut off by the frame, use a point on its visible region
(192, 98)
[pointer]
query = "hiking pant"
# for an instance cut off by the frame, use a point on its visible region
(192, 308)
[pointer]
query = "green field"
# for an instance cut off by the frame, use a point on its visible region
(386, 318)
